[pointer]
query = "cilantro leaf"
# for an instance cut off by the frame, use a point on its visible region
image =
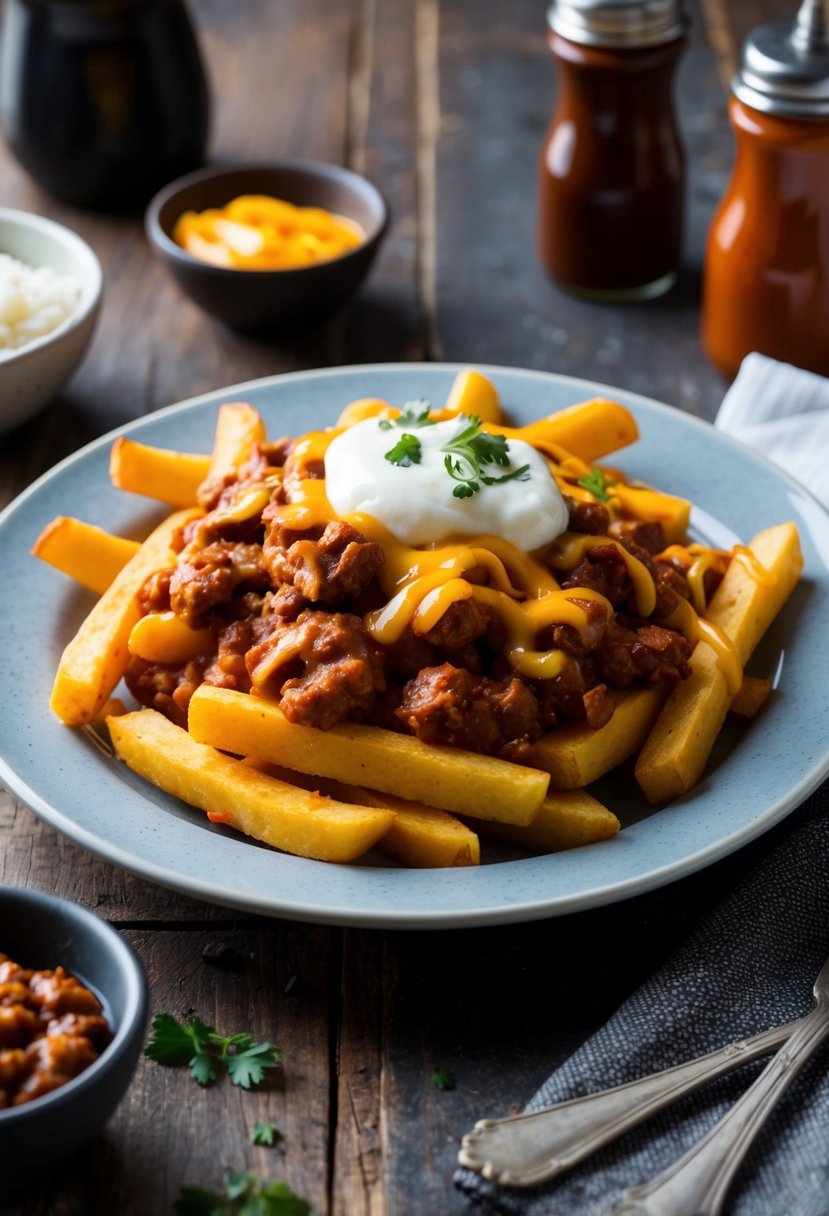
(204, 1068)
(406, 451)
(598, 485)
(243, 1195)
(239, 1184)
(443, 1078)
(415, 414)
(280, 1200)
(209, 1053)
(264, 1134)
(472, 449)
(248, 1068)
(172, 1044)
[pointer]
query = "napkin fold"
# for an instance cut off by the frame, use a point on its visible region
(783, 412)
(749, 965)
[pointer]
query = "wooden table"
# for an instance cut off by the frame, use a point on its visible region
(444, 105)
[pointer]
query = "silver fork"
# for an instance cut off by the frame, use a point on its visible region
(697, 1183)
(525, 1150)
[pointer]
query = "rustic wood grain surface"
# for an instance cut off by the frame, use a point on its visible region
(443, 103)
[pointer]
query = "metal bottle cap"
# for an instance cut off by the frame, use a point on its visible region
(618, 23)
(785, 65)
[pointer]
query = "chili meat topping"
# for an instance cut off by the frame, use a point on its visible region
(285, 609)
(51, 1029)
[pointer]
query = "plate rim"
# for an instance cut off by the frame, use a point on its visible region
(515, 912)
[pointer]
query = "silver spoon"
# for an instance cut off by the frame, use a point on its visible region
(527, 1149)
(697, 1183)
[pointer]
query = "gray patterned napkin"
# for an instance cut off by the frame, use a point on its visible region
(749, 965)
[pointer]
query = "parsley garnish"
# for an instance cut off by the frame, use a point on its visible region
(264, 1134)
(598, 485)
(406, 451)
(243, 1195)
(413, 414)
(443, 1078)
(208, 1053)
(470, 450)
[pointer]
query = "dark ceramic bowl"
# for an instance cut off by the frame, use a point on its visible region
(270, 300)
(39, 930)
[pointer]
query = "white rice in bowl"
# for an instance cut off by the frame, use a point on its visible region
(34, 301)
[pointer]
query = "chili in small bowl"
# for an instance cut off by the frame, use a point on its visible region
(69, 1040)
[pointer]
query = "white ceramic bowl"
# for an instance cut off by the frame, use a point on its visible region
(34, 374)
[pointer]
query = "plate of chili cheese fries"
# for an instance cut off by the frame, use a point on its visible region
(413, 645)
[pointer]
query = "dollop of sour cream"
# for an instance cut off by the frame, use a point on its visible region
(416, 502)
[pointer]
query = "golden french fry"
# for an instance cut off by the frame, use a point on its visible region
(420, 836)
(238, 429)
(574, 755)
(589, 430)
(294, 820)
(87, 554)
(172, 477)
(753, 694)
(96, 658)
(567, 819)
(113, 708)
(743, 606)
(445, 777)
(474, 395)
(366, 407)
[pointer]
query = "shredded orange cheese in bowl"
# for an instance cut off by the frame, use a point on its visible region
(257, 232)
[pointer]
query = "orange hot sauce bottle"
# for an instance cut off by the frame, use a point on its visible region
(766, 280)
(612, 166)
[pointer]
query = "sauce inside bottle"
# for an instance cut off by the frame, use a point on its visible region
(766, 282)
(612, 170)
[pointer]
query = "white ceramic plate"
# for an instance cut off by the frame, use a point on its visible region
(758, 774)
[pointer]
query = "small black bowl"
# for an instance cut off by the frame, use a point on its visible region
(42, 931)
(287, 300)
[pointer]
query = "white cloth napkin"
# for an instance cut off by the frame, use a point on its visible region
(783, 412)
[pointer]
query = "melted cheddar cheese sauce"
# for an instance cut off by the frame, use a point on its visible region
(422, 582)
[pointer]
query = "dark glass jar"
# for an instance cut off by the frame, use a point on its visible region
(612, 168)
(102, 101)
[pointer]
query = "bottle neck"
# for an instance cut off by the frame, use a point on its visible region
(627, 61)
(779, 133)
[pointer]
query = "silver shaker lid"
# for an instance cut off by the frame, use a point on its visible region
(785, 65)
(618, 23)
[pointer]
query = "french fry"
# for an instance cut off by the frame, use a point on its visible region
(474, 394)
(172, 477)
(113, 708)
(753, 694)
(420, 836)
(445, 777)
(589, 430)
(567, 819)
(96, 658)
(87, 554)
(238, 428)
(743, 606)
(294, 820)
(574, 755)
(366, 407)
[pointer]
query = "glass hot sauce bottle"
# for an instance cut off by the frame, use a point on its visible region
(766, 280)
(612, 167)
